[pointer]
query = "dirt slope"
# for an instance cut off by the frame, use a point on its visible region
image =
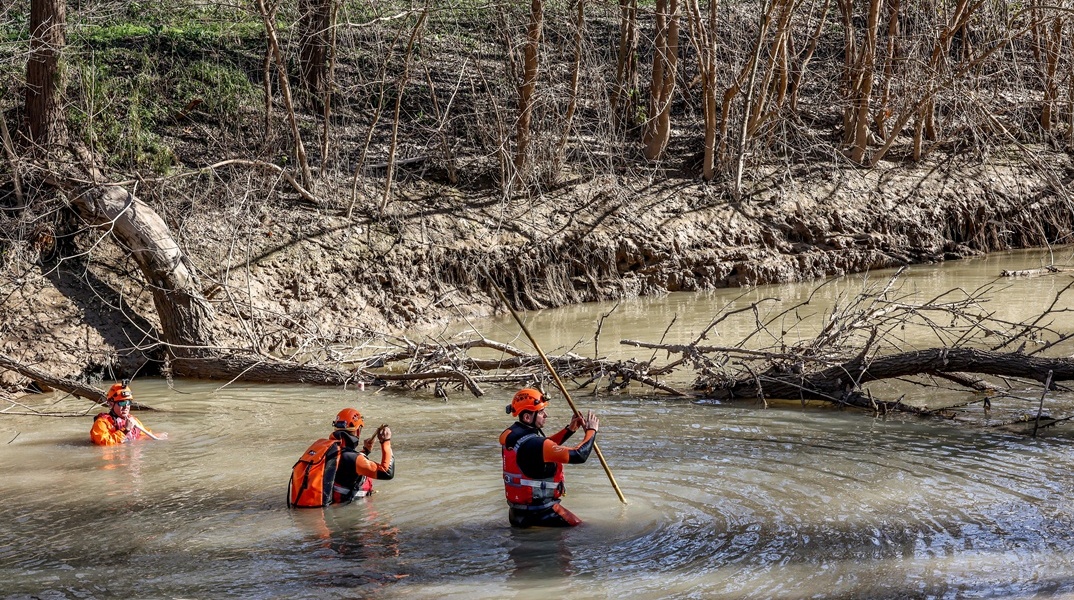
(287, 276)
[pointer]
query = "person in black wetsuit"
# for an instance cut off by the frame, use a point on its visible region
(533, 464)
(356, 472)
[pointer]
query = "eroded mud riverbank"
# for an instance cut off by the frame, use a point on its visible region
(294, 278)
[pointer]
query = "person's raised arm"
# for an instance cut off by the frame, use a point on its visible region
(386, 468)
(557, 453)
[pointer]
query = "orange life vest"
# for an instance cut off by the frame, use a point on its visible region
(116, 424)
(534, 491)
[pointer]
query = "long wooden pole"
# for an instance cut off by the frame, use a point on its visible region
(559, 384)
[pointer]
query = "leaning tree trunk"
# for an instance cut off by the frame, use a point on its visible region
(185, 315)
(44, 88)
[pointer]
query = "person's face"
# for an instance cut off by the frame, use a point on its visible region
(539, 418)
(121, 408)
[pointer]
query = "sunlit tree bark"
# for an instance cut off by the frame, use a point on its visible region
(185, 315)
(890, 60)
(801, 63)
(530, 69)
(926, 127)
(771, 93)
(860, 76)
(45, 120)
(1052, 46)
(665, 64)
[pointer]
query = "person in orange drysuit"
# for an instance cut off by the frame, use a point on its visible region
(533, 464)
(356, 472)
(117, 426)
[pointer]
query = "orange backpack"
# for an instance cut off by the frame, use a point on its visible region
(313, 475)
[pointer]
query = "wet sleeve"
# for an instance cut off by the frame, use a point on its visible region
(384, 470)
(104, 434)
(555, 453)
(562, 436)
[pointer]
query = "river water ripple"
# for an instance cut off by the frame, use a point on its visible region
(724, 501)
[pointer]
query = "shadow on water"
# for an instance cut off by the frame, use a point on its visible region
(538, 555)
(347, 547)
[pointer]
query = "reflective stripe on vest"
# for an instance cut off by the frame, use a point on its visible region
(543, 492)
(346, 492)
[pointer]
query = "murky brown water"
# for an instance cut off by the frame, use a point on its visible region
(725, 501)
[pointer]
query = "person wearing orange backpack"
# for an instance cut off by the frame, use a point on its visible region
(117, 426)
(533, 464)
(335, 470)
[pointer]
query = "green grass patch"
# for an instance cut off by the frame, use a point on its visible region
(128, 82)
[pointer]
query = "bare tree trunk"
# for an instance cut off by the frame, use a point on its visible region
(703, 35)
(572, 102)
(806, 56)
(1070, 93)
(926, 127)
(398, 105)
(268, 18)
(883, 110)
(833, 384)
(315, 18)
(665, 66)
(1053, 44)
(772, 91)
(740, 153)
(330, 84)
(863, 95)
(529, 83)
(185, 315)
(13, 160)
(45, 120)
(48, 382)
(441, 117)
(266, 82)
(850, 53)
(626, 66)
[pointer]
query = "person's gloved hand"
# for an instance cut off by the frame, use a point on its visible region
(384, 433)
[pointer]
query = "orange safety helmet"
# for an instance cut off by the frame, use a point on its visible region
(527, 399)
(348, 418)
(118, 391)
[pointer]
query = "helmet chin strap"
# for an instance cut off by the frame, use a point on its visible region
(533, 420)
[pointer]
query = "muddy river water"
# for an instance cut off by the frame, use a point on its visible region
(724, 500)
